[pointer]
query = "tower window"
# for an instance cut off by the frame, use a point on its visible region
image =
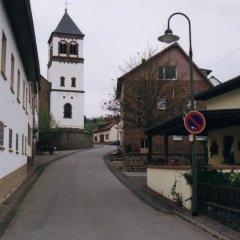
(62, 48)
(73, 82)
(62, 81)
(51, 50)
(67, 110)
(74, 48)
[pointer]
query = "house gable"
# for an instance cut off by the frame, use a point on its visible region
(173, 55)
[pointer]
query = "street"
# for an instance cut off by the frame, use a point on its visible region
(78, 198)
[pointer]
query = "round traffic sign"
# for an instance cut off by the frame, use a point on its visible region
(194, 122)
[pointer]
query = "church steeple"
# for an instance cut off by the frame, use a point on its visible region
(67, 26)
(65, 72)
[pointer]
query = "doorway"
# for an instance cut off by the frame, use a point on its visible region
(228, 151)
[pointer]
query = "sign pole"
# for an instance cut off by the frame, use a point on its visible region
(195, 123)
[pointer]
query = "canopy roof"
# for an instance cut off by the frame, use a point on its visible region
(215, 119)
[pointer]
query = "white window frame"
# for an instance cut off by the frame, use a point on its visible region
(143, 143)
(161, 102)
(201, 138)
(177, 137)
(107, 136)
(164, 73)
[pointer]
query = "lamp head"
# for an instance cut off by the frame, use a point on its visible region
(168, 37)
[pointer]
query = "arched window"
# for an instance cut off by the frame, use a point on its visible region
(62, 47)
(73, 48)
(51, 50)
(62, 81)
(67, 110)
(73, 82)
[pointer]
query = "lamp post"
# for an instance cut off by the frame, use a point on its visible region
(168, 37)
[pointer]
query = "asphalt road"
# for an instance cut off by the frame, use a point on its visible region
(78, 198)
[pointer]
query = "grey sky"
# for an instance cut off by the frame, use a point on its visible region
(116, 30)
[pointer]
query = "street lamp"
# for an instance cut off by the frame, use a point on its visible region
(168, 37)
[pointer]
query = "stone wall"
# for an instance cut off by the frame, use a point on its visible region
(135, 163)
(69, 139)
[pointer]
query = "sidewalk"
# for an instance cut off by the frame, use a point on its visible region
(137, 183)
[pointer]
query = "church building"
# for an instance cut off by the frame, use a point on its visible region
(62, 93)
(65, 73)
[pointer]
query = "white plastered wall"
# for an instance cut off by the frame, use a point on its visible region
(12, 113)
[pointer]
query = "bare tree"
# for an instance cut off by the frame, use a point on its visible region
(112, 106)
(145, 99)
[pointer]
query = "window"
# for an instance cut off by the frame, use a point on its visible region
(189, 103)
(1, 133)
(167, 73)
(107, 137)
(95, 139)
(26, 98)
(17, 143)
(25, 145)
(18, 86)
(62, 47)
(161, 103)
(12, 73)
(139, 119)
(62, 81)
(29, 135)
(22, 144)
(73, 49)
(23, 94)
(10, 139)
(30, 95)
(67, 110)
(144, 143)
(201, 138)
(73, 82)
(4, 55)
(51, 50)
(177, 137)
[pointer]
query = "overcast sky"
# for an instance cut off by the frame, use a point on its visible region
(116, 30)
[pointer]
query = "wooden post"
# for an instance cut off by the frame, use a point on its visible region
(149, 149)
(165, 148)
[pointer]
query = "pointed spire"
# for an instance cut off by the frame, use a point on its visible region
(67, 26)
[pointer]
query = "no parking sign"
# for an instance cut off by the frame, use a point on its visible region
(194, 122)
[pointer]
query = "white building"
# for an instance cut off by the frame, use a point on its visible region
(65, 73)
(19, 84)
(108, 132)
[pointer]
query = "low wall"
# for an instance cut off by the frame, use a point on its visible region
(162, 178)
(69, 139)
(135, 163)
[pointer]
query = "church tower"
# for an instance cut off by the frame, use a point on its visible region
(65, 73)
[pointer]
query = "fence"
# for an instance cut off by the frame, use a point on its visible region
(221, 203)
(226, 196)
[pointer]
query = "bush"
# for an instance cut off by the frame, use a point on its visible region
(216, 177)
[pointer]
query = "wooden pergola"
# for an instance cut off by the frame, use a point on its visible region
(215, 119)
